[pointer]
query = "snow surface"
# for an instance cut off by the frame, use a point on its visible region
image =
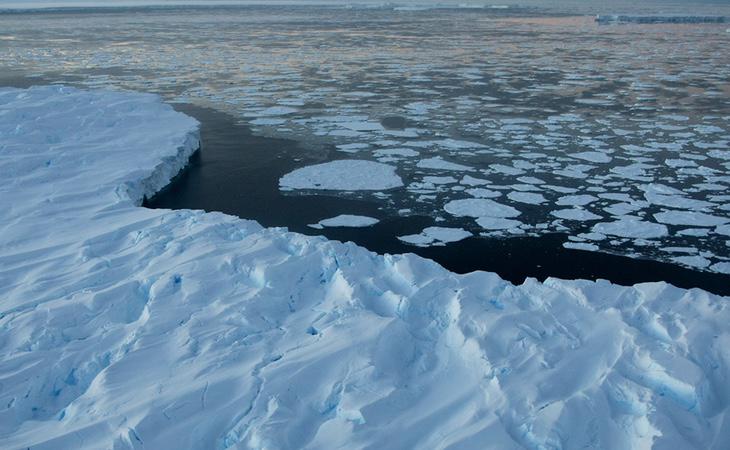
(124, 327)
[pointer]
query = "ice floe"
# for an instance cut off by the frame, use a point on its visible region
(631, 228)
(480, 207)
(435, 236)
(346, 220)
(343, 175)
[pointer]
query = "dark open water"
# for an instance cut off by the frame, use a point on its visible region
(237, 173)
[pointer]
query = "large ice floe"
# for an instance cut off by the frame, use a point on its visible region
(125, 327)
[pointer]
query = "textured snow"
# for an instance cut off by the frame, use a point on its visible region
(343, 175)
(124, 327)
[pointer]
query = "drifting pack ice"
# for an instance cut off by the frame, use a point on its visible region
(629, 18)
(125, 327)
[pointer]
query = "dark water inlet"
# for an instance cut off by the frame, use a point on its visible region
(237, 173)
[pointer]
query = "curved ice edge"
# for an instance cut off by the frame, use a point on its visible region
(277, 339)
(164, 172)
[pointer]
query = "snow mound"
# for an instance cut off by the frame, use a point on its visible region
(124, 327)
(343, 175)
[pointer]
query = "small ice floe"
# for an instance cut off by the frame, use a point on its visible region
(631, 227)
(438, 163)
(691, 218)
(694, 261)
(498, 223)
(530, 198)
(576, 214)
(694, 232)
(596, 157)
(483, 193)
(265, 121)
(395, 153)
(580, 246)
(576, 200)
(343, 175)
(435, 236)
(353, 147)
(346, 220)
(723, 229)
(479, 207)
(277, 111)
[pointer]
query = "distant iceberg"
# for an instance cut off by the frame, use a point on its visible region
(631, 18)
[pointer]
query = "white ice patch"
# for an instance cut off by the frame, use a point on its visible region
(348, 220)
(581, 246)
(497, 223)
(277, 111)
(631, 228)
(694, 261)
(435, 236)
(576, 200)
(438, 163)
(576, 214)
(479, 207)
(527, 197)
(596, 157)
(691, 218)
(343, 175)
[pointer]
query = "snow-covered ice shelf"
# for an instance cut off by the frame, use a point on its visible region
(124, 327)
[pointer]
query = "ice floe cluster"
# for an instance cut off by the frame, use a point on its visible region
(125, 327)
(622, 155)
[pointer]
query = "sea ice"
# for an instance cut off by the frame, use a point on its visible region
(581, 246)
(479, 207)
(691, 218)
(631, 228)
(527, 197)
(435, 236)
(438, 163)
(576, 200)
(596, 157)
(497, 223)
(577, 214)
(348, 220)
(343, 175)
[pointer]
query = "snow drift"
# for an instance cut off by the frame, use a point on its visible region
(124, 327)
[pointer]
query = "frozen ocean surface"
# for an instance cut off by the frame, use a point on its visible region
(575, 126)
(126, 327)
